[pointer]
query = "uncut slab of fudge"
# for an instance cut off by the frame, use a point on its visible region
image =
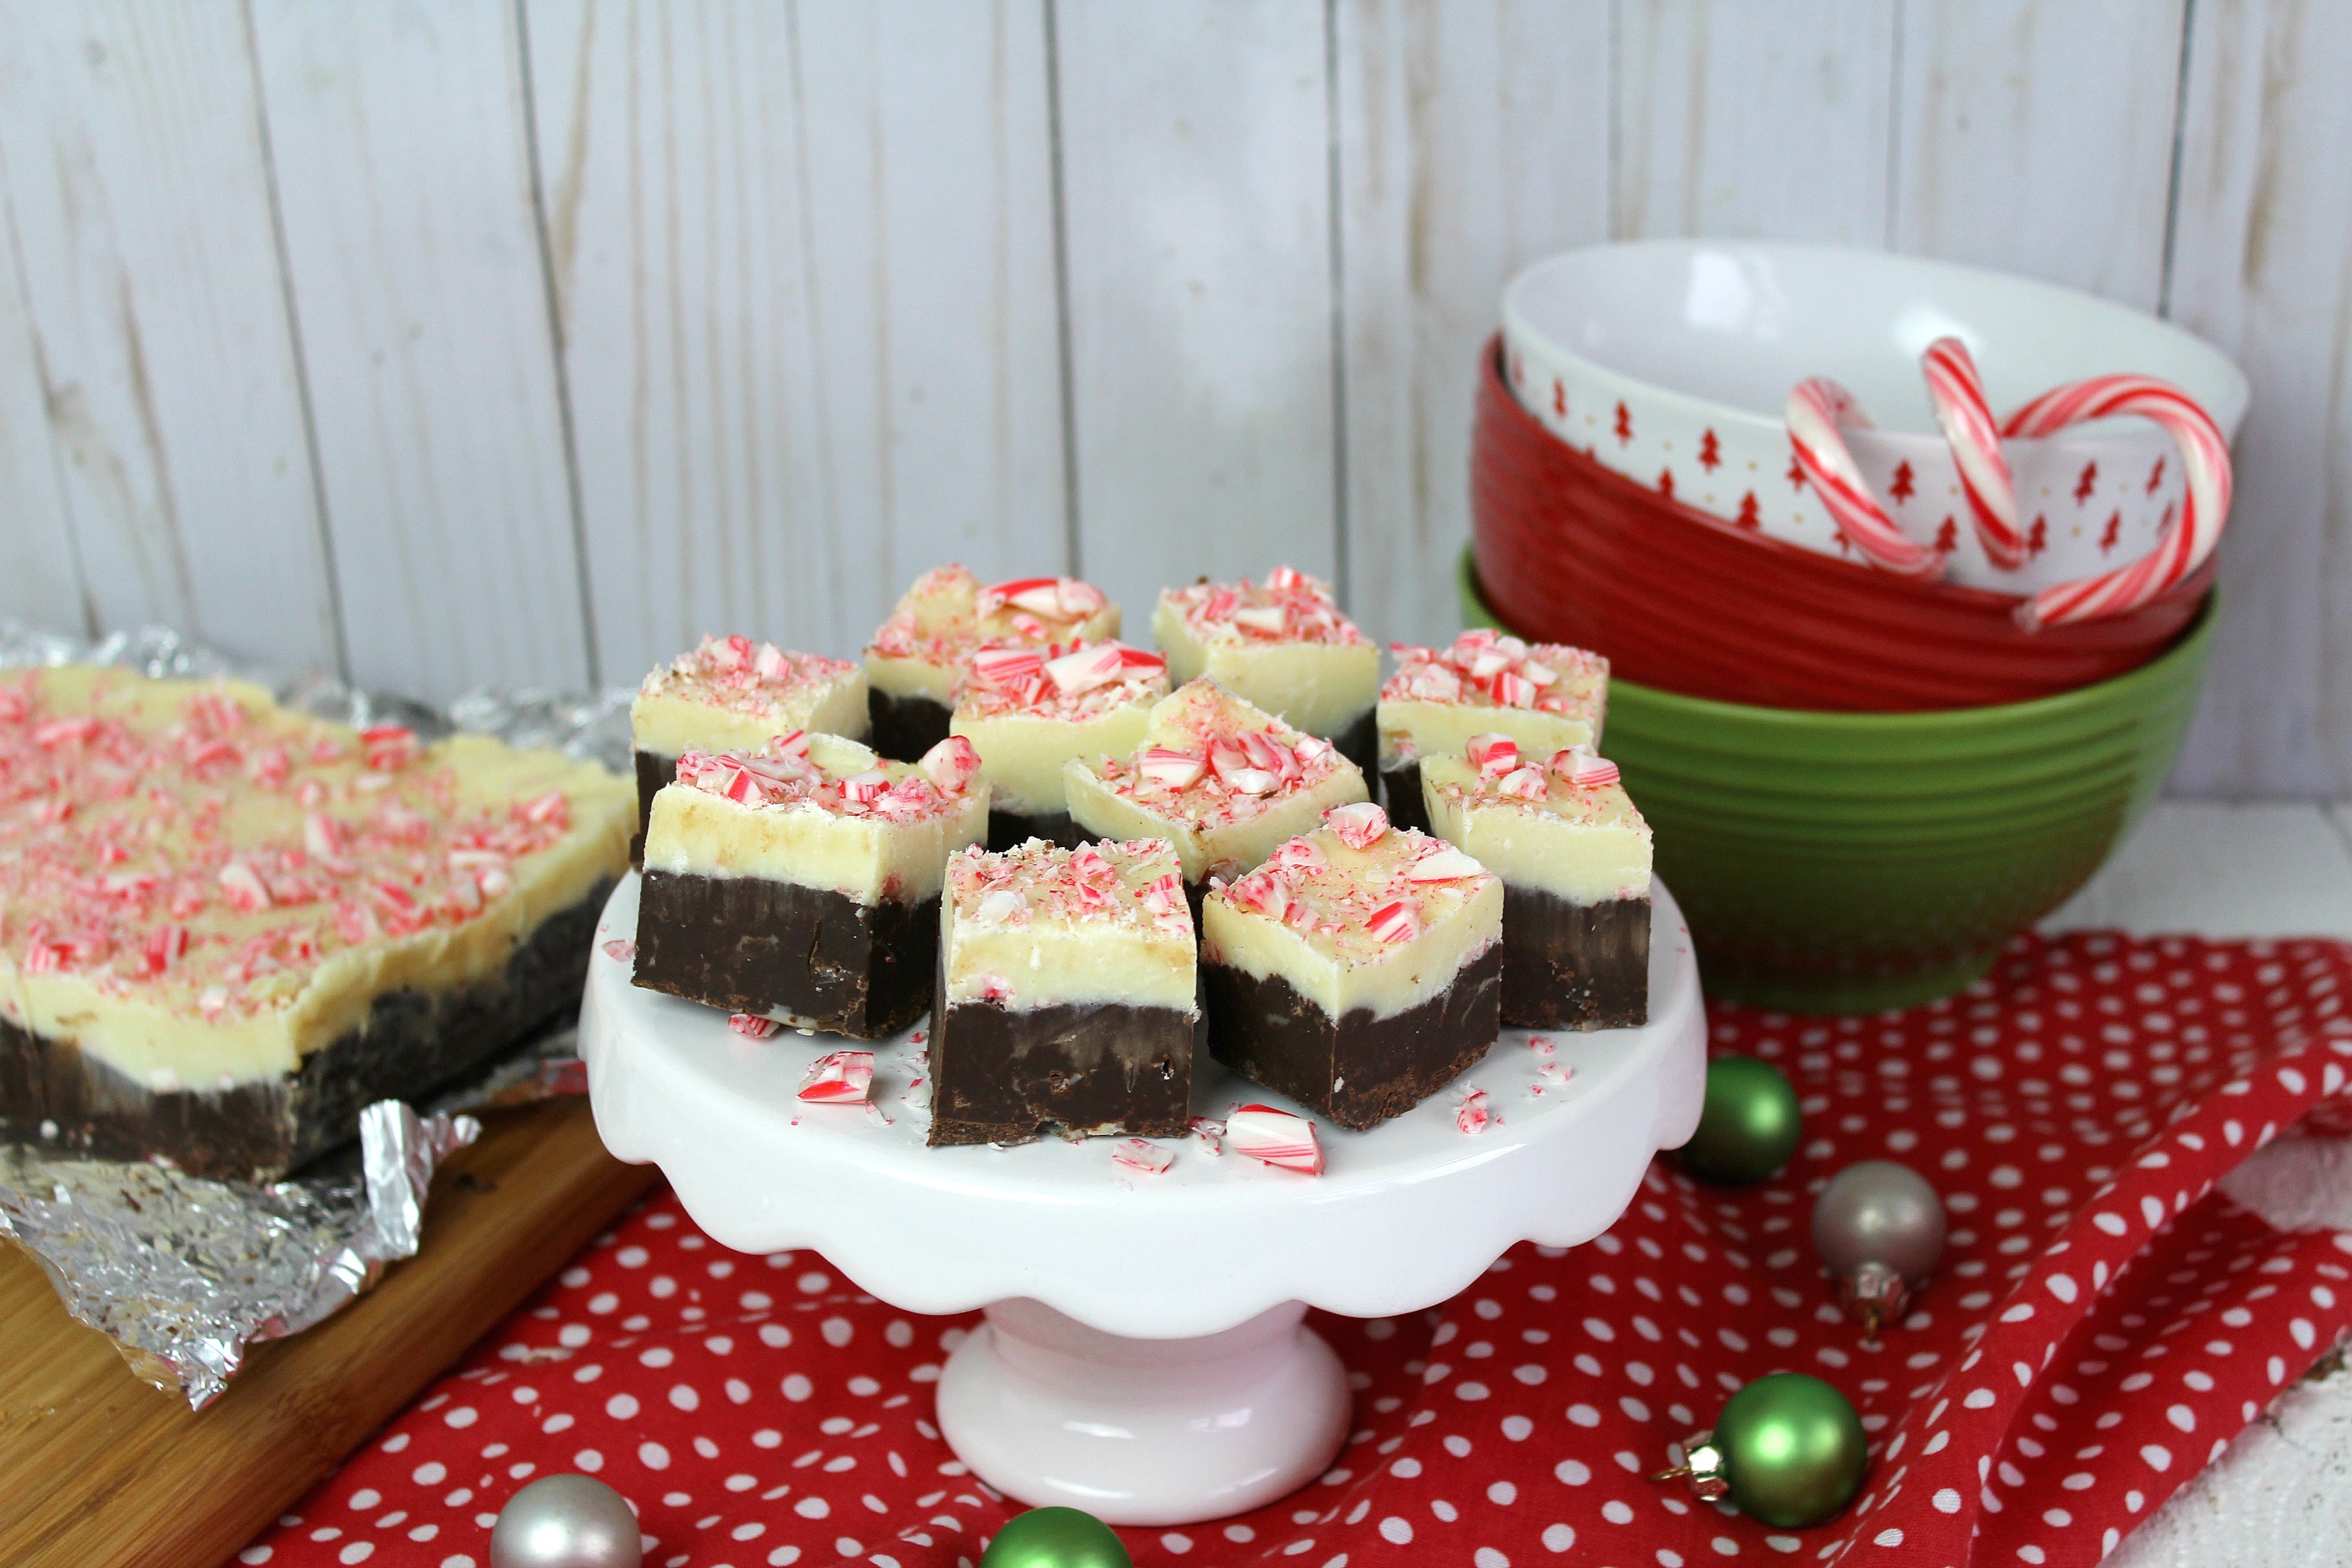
(225, 927)
(802, 882)
(1222, 781)
(1068, 994)
(1027, 712)
(731, 694)
(1281, 645)
(1545, 695)
(1574, 857)
(919, 655)
(1359, 970)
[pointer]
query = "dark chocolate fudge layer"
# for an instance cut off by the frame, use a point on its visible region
(1006, 1077)
(1294, 1048)
(653, 770)
(411, 1042)
(750, 944)
(903, 728)
(1401, 795)
(1567, 965)
(1360, 742)
(1009, 829)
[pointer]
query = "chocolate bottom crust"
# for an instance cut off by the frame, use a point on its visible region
(1401, 797)
(1360, 1070)
(904, 728)
(1091, 1069)
(653, 770)
(1011, 829)
(1567, 965)
(411, 1043)
(753, 944)
(1360, 742)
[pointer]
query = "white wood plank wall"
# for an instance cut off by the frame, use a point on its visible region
(451, 341)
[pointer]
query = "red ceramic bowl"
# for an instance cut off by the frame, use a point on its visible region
(1571, 551)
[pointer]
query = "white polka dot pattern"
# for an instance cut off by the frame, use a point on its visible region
(2103, 1324)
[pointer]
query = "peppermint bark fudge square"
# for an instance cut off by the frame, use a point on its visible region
(1222, 781)
(1281, 645)
(1574, 857)
(225, 926)
(1545, 697)
(1029, 710)
(731, 694)
(1359, 970)
(919, 656)
(1068, 994)
(802, 883)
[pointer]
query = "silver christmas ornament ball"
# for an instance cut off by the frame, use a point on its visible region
(566, 1522)
(1879, 1226)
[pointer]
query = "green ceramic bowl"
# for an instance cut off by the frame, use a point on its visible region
(1850, 862)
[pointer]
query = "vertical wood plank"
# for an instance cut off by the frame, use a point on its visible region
(1195, 149)
(39, 583)
(404, 180)
(2036, 136)
(1472, 141)
(804, 260)
(1756, 121)
(2262, 266)
(140, 196)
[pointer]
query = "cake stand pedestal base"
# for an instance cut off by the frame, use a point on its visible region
(1047, 1410)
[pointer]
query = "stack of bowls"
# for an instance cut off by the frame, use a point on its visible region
(1861, 787)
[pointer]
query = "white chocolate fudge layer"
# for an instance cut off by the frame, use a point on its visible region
(199, 888)
(1039, 926)
(1217, 778)
(1281, 645)
(1356, 914)
(828, 814)
(922, 648)
(1027, 712)
(1545, 697)
(731, 695)
(1583, 843)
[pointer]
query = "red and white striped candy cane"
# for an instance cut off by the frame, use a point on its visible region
(1817, 409)
(2186, 543)
(1958, 394)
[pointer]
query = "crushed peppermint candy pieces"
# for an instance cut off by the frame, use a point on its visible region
(1472, 1114)
(839, 1077)
(1581, 766)
(1277, 1138)
(1359, 826)
(1487, 668)
(1141, 1156)
(1210, 1135)
(1287, 605)
(751, 1025)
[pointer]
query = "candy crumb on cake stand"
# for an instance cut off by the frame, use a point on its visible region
(1143, 1356)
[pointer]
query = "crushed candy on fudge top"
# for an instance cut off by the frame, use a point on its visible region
(949, 614)
(195, 847)
(743, 677)
(1133, 882)
(1212, 758)
(1356, 888)
(1072, 681)
(1486, 669)
(1288, 606)
(801, 772)
(1574, 784)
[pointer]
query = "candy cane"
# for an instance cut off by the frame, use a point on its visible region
(2187, 541)
(1816, 410)
(1958, 394)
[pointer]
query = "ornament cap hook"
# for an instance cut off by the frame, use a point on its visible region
(1702, 1466)
(1875, 1294)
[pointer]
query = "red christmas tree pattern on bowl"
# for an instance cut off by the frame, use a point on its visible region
(2103, 1322)
(1572, 550)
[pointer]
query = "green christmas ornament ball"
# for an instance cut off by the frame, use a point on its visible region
(1748, 1126)
(1055, 1538)
(1791, 1448)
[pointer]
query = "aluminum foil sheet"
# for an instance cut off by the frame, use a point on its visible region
(182, 1274)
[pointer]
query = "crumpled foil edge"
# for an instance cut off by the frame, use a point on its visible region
(182, 1273)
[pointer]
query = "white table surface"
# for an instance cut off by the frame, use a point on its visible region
(2282, 1493)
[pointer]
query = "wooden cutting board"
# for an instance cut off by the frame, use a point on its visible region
(97, 1469)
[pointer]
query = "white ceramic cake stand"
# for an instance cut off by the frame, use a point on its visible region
(1143, 1357)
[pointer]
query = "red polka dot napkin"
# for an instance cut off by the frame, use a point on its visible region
(2104, 1322)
